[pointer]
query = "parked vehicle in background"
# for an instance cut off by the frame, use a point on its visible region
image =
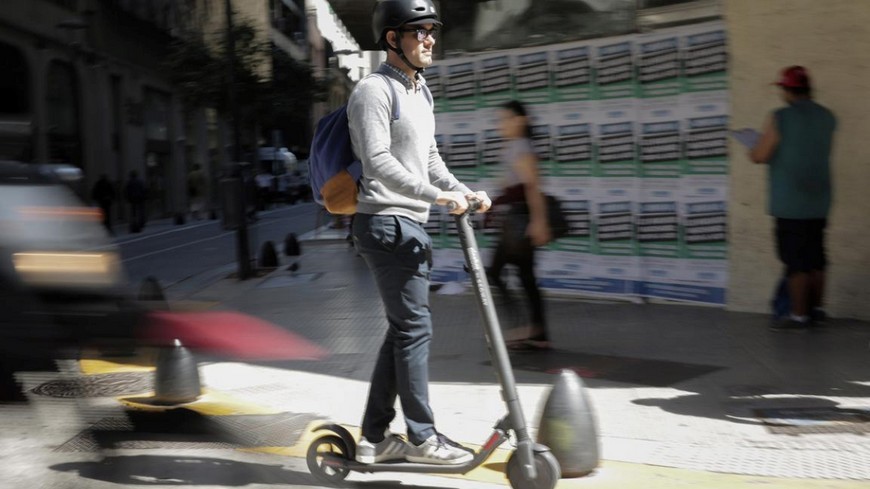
(62, 284)
(276, 161)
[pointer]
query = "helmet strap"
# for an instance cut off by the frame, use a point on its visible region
(398, 50)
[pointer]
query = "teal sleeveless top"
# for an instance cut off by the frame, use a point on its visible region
(799, 174)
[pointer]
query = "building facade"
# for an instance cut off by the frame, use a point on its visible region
(86, 85)
(87, 89)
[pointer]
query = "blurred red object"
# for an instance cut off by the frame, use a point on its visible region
(227, 333)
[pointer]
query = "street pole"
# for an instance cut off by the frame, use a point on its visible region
(243, 254)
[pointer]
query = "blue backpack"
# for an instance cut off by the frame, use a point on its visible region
(333, 168)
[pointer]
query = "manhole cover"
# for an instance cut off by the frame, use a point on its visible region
(102, 385)
(815, 420)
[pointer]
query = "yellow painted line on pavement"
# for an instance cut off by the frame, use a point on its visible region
(141, 362)
(210, 403)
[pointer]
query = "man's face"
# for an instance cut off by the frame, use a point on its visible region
(418, 52)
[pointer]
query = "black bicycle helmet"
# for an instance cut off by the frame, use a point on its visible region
(393, 14)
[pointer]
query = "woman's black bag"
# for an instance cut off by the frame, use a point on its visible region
(516, 221)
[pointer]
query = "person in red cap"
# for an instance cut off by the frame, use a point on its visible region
(796, 145)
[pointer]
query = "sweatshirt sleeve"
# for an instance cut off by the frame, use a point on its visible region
(368, 114)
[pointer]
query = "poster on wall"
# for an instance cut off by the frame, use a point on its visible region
(631, 135)
(571, 73)
(495, 80)
(614, 69)
(532, 76)
(705, 58)
(458, 86)
(658, 65)
(706, 133)
(571, 140)
(436, 88)
(660, 141)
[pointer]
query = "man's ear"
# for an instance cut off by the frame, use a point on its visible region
(392, 39)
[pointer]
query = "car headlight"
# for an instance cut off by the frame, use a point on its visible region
(67, 268)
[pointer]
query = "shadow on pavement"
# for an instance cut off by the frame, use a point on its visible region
(168, 470)
(616, 368)
(194, 471)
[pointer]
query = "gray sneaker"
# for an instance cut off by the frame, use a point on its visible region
(439, 449)
(392, 447)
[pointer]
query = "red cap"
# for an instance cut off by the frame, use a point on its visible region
(794, 77)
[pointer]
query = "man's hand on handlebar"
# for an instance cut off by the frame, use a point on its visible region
(455, 202)
(480, 196)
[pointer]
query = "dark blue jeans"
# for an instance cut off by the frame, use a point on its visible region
(398, 252)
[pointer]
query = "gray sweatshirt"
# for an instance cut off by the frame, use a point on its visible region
(402, 171)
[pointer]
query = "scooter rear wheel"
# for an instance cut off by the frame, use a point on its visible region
(546, 467)
(324, 457)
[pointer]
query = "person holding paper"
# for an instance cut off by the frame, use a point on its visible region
(796, 145)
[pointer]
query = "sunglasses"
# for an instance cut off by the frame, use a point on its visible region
(422, 34)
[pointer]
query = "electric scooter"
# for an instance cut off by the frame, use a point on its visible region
(331, 457)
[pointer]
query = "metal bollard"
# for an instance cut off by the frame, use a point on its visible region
(268, 256)
(176, 380)
(568, 426)
(150, 290)
(291, 245)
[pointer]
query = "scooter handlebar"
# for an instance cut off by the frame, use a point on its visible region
(473, 206)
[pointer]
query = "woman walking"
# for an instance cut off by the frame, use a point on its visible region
(524, 225)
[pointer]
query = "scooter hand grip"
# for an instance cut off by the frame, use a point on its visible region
(473, 205)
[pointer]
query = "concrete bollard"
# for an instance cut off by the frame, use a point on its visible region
(150, 290)
(176, 380)
(568, 426)
(268, 257)
(291, 245)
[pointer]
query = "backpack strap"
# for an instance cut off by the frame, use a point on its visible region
(428, 95)
(395, 98)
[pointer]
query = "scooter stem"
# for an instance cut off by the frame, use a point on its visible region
(495, 341)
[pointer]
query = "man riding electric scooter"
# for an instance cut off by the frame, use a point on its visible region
(402, 176)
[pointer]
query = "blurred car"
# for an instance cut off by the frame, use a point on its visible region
(61, 279)
(52, 243)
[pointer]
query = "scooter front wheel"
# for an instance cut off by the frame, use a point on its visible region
(546, 467)
(325, 458)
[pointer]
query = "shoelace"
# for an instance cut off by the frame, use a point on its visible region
(443, 440)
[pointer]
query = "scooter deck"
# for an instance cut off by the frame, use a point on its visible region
(403, 466)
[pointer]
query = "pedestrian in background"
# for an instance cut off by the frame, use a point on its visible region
(196, 191)
(136, 195)
(103, 194)
(403, 175)
(796, 145)
(522, 211)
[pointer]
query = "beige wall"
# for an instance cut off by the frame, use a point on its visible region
(832, 39)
